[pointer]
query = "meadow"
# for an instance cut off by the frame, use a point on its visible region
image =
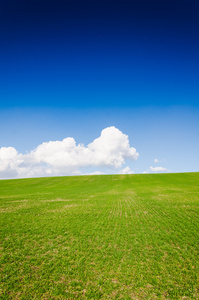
(100, 237)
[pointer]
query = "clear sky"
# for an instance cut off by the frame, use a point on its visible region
(75, 68)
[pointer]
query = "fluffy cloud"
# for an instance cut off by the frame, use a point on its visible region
(156, 160)
(158, 169)
(66, 158)
(9, 162)
(126, 170)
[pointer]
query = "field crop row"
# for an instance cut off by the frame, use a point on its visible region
(100, 237)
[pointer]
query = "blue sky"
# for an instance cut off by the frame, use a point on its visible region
(74, 68)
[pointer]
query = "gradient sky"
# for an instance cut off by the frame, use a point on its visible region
(73, 68)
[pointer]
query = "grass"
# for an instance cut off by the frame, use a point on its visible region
(100, 237)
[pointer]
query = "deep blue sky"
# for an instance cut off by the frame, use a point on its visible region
(132, 64)
(99, 53)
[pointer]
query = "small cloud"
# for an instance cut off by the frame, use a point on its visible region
(94, 173)
(145, 172)
(158, 169)
(126, 170)
(156, 160)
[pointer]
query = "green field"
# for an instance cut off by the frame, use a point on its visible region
(100, 237)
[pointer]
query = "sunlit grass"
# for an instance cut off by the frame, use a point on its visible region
(100, 237)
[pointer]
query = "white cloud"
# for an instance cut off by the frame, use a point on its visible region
(158, 169)
(65, 157)
(156, 160)
(9, 161)
(94, 173)
(126, 170)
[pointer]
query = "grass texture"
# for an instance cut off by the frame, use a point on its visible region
(100, 237)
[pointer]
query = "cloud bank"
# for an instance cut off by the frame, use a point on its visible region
(65, 157)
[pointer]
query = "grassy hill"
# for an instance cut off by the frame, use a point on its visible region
(100, 237)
